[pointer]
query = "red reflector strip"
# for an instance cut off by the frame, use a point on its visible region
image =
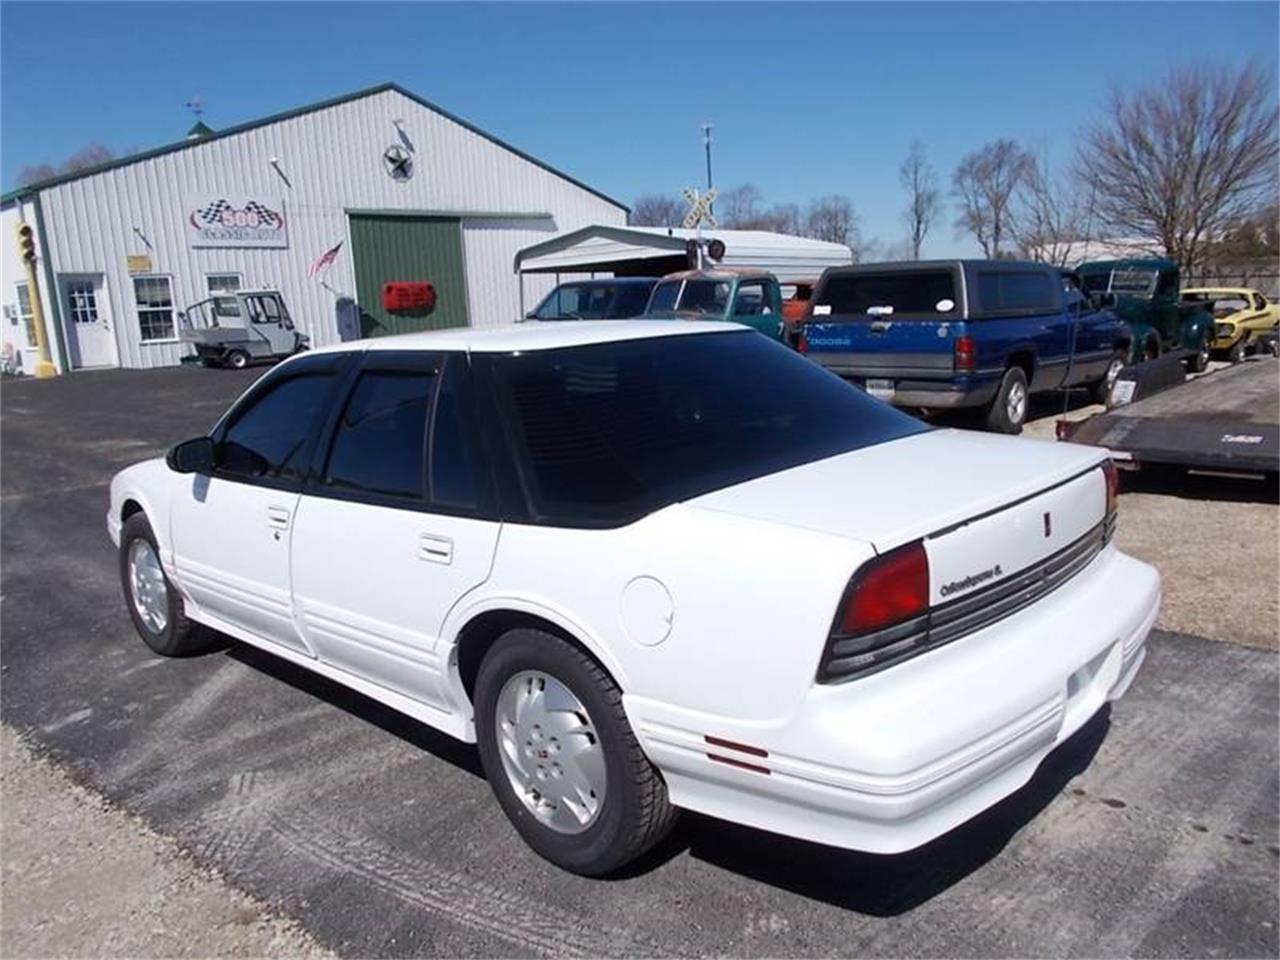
(730, 745)
(738, 763)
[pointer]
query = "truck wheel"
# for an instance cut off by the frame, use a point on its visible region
(1236, 353)
(561, 758)
(1101, 390)
(1199, 361)
(1009, 409)
(154, 605)
(237, 359)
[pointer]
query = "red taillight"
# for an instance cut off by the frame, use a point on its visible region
(802, 341)
(887, 590)
(966, 353)
(1112, 476)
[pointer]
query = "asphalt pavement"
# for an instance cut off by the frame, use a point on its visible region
(1152, 832)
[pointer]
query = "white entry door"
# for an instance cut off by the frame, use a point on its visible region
(88, 319)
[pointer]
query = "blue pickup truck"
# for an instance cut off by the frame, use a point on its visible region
(964, 333)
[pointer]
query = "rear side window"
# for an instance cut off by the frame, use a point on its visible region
(922, 293)
(605, 433)
(267, 435)
(1008, 291)
(453, 463)
(379, 445)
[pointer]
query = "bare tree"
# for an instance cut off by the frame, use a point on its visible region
(82, 159)
(832, 218)
(916, 176)
(1050, 216)
(655, 210)
(739, 208)
(783, 218)
(984, 183)
(1180, 160)
(90, 156)
(34, 174)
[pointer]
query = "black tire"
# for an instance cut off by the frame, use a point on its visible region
(178, 636)
(1006, 415)
(1236, 353)
(635, 813)
(237, 359)
(1198, 362)
(1101, 390)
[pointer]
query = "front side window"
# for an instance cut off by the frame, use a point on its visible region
(154, 299)
(752, 300)
(379, 446)
(606, 433)
(267, 434)
(222, 287)
(896, 293)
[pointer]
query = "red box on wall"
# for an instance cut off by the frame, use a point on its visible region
(416, 295)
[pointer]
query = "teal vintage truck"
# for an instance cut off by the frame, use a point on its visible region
(1145, 292)
(750, 297)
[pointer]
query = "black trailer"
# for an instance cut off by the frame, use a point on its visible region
(1226, 421)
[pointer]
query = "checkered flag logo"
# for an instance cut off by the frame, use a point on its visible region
(265, 214)
(215, 212)
(210, 214)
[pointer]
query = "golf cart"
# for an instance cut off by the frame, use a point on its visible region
(233, 329)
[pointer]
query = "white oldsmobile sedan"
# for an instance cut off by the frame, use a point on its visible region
(652, 565)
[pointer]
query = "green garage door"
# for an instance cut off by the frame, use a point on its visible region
(387, 248)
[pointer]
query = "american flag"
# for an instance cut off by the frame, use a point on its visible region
(324, 260)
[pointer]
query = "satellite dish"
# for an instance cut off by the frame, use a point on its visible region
(715, 249)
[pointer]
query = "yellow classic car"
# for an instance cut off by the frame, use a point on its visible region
(1240, 315)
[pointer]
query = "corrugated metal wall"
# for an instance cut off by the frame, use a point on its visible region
(332, 160)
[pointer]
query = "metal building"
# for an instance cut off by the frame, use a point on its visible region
(401, 190)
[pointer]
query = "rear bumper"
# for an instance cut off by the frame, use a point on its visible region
(943, 391)
(890, 761)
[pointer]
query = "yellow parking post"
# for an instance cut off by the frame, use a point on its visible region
(27, 247)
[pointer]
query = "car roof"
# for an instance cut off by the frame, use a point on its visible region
(1128, 263)
(718, 273)
(533, 335)
(616, 281)
(1218, 290)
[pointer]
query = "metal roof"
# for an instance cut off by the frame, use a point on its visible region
(601, 248)
(533, 335)
(187, 144)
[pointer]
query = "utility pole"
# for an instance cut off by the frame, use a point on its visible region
(706, 142)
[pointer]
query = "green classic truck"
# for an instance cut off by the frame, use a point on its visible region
(750, 297)
(1145, 293)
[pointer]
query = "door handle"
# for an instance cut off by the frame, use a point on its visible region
(278, 518)
(435, 549)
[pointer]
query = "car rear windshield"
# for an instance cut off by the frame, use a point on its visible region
(918, 293)
(700, 297)
(606, 433)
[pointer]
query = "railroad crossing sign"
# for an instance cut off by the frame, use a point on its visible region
(699, 214)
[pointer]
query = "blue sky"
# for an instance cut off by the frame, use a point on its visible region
(807, 99)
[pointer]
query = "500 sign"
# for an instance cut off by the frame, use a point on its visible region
(236, 221)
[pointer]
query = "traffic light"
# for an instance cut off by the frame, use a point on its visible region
(27, 243)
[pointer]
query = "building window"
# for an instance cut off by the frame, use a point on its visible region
(25, 313)
(83, 301)
(154, 297)
(219, 285)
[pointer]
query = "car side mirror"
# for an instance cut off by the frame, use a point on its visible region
(191, 456)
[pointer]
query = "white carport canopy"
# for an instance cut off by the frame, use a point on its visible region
(653, 251)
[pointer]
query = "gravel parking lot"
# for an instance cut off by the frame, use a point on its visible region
(1153, 832)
